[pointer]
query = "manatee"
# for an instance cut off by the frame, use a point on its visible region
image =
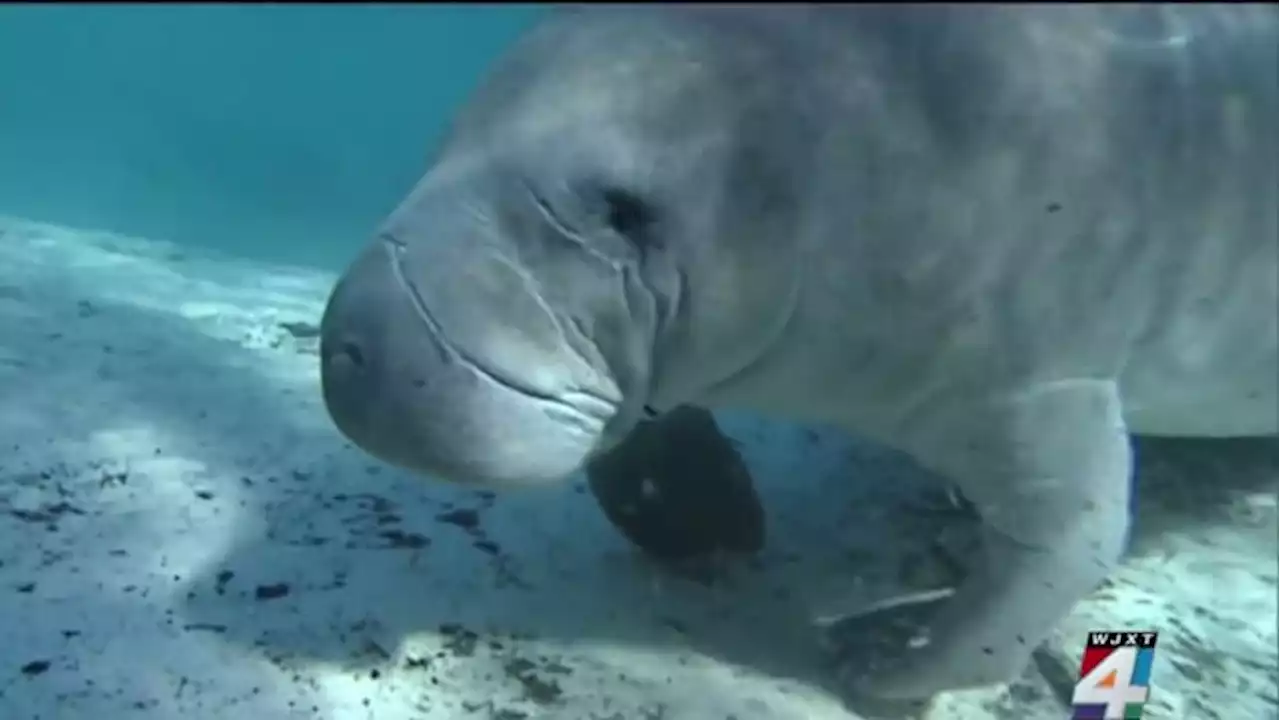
(998, 238)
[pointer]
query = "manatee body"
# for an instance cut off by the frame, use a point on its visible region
(1000, 238)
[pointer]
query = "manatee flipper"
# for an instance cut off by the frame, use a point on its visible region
(1049, 471)
(677, 488)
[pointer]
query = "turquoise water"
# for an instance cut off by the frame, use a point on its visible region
(183, 533)
(277, 132)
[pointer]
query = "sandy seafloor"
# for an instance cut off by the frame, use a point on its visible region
(184, 535)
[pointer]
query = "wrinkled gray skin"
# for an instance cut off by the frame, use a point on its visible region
(998, 238)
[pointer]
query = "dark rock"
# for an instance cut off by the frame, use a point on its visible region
(678, 489)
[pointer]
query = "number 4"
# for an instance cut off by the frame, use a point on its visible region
(1108, 683)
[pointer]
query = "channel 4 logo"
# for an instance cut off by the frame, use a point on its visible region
(1115, 675)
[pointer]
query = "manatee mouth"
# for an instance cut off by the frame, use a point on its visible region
(585, 412)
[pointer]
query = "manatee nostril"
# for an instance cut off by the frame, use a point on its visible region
(346, 355)
(352, 351)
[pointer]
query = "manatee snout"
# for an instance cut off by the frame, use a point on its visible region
(446, 365)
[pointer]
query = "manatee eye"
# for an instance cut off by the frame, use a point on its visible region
(628, 215)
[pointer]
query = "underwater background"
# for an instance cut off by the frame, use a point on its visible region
(183, 533)
(279, 132)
